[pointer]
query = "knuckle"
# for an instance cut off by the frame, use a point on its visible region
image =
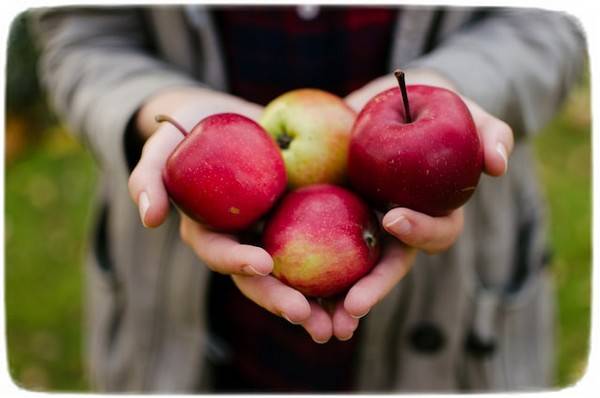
(132, 182)
(211, 242)
(505, 131)
(505, 127)
(509, 133)
(422, 239)
(508, 130)
(441, 246)
(149, 144)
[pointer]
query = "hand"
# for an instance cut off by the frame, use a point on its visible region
(436, 234)
(249, 265)
(324, 319)
(415, 230)
(396, 260)
(496, 135)
(188, 106)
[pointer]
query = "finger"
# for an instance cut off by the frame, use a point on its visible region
(277, 298)
(497, 140)
(430, 234)
(356, 100)
(497, 145)
(223, 253)
(318, 325)
(145, 182)
(368, 291)
(344, 324)
(251, 111)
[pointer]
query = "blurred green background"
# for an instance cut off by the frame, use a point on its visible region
(50, 182)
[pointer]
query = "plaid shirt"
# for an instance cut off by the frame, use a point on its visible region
(269, 51)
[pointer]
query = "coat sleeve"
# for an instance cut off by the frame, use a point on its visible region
(98, 69)
(518, 64)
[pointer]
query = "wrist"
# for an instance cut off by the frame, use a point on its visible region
(429, 77)
(188, 105)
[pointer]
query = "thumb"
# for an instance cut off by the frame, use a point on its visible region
(146, 186)
(497, 139)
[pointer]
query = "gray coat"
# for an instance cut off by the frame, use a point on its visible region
(477, 317)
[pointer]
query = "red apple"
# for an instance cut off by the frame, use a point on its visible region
(322, 238)
(428, 158)
(226, 173)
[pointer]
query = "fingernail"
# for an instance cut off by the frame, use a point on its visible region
(289, 320)
(250, 270)
(320, 341)
(346, 338)
(359, 316)
(400, 225)
(502, 152)
(144, 205)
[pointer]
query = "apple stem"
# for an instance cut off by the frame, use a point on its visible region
(169, 119)
(284, 140)
(400, 77)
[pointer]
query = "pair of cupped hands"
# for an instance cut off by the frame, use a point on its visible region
(250, 266)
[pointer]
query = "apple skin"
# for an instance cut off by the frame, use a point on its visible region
(431, 165)
(226, 173)
(322, 238)
(312, 128)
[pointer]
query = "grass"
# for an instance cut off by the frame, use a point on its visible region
(563, 150)
(47, 218)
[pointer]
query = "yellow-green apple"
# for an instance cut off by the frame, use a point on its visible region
(322, 238)
(415, 147)
(226, 173)
(312, 128)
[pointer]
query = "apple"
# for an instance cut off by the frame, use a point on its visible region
(425, 154)
(312, 128)
(226, 173)
(322, 238)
